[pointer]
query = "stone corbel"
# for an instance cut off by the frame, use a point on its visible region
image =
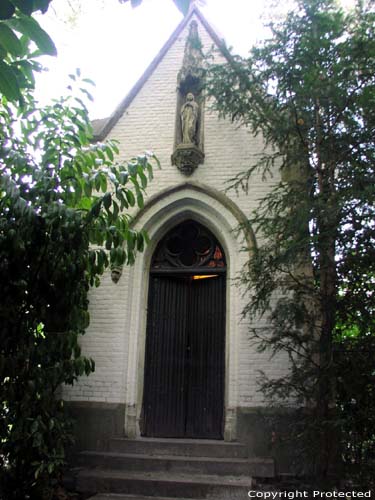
(187, 157)
(116, 272)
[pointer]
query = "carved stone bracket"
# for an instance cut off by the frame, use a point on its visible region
(116, 273)
(187, 157)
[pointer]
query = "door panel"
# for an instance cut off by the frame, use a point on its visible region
(164, 394)
(185, 358)
(205, 396)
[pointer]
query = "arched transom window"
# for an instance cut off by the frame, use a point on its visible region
(189, 246)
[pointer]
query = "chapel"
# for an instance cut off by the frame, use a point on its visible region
(173, 355)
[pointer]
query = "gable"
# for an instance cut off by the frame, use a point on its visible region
(102, 127)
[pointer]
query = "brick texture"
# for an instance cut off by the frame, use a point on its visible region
(112, 340)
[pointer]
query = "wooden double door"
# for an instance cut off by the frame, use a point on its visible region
(184, 376)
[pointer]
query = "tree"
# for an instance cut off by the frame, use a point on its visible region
(17, 30)
(309, 90)
(63, 220)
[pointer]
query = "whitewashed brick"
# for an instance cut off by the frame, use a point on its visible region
(114, 337)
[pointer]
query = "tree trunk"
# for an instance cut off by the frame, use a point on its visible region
(327, 288)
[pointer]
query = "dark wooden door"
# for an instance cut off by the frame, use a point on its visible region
(185, 358)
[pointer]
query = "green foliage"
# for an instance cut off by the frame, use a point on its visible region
(309, 91)
(64, 218)
(356, 405)
(17, 30)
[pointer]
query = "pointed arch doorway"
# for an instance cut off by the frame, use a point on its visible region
(184, 376)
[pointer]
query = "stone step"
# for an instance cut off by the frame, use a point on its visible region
(256, 467)
(162, 484)
(181, 447)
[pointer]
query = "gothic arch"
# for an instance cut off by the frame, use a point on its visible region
(208, 192)
(161, 214)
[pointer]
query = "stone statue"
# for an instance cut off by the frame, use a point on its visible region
(188, 148)
(189, 120)
(193, 55)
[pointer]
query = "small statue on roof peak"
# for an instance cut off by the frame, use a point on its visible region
(193, 56)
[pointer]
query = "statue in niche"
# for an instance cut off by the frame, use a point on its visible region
(188, 147)
(189, 120)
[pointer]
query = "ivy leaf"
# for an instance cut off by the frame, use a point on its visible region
(6, 9)
(8, 82)
(95, 210)
(109, 153)
(103, 182)
(89, 81)
(27, 70)
(29, 27)
(140, 200)
(87, 94)
(41, 5)
(140, 242)
(25, 6)
(107, 200)
(130, 197)
(115, 210)
(143, 179)
(87, 188)
(9, 40)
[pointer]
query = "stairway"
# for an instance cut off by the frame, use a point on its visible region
(165, 469)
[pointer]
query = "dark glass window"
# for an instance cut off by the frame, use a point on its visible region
(189, 245)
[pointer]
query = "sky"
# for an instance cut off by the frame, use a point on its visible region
(113, 43)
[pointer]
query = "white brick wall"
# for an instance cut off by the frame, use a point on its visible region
(115, 338)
